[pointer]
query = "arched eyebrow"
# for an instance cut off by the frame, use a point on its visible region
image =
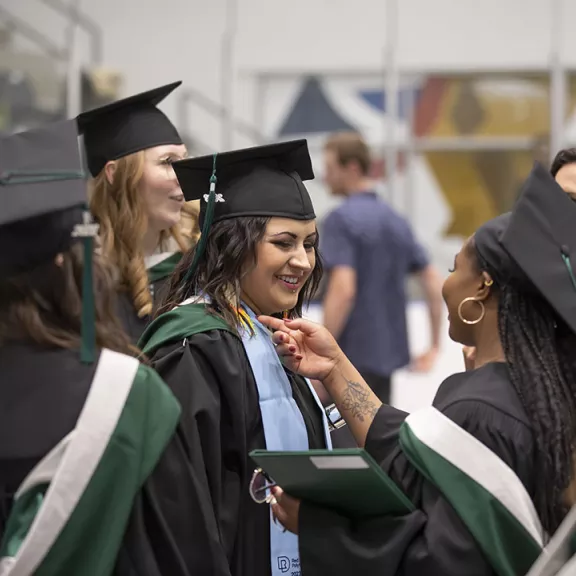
(292, 235)
(180, 157)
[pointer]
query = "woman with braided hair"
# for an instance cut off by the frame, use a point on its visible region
(539, 351)
(489, 467)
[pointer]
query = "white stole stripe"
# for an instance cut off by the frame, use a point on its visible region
(105, 402)
(477, 461)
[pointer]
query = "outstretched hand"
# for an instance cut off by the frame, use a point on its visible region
(305, 347)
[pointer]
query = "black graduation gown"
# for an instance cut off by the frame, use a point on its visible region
(227, 533)
(33, 415)
(431, 541)
(158, 278)
(42, 392)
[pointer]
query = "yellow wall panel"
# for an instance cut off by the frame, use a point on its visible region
(464, 189)
(443, 124)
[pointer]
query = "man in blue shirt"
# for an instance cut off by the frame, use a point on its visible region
(369, 250)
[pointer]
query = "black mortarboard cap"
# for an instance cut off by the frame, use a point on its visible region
(43, 207)
(541, 239)
(126, 126)
(42, 195)
(259, 181)
(535, 244)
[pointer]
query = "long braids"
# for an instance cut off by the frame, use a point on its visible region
(539, 349)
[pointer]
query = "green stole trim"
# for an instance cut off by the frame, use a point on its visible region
(20, 520)
(180, 323)
(164, 268)
(94, 524)
(485, 493)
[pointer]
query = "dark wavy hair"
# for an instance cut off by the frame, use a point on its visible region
(564, 157)
(230, 250)
(44, 305)
(540, 353)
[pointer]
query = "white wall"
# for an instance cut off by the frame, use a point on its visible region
(153, 41)
(340, 33)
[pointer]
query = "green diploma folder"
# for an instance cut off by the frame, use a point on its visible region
(346, 480)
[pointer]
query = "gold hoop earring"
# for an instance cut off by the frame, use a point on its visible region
(471, 299)
(489, 283)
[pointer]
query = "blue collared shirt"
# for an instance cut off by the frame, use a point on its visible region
(366, 234)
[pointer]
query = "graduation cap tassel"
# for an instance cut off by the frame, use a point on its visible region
(87, 351)
(201, 246)
(87, 231)
(568, 265)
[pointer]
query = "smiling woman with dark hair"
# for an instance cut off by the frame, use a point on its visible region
(259, 256)
(223, 275)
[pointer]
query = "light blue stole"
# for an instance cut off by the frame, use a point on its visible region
(284, 428)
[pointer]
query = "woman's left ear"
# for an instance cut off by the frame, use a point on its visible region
(487, 284)
(59, 260)
(110, 170)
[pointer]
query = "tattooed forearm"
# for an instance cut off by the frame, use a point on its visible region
(356, 400)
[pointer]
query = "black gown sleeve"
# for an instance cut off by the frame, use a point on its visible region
(126, 313)
(431, 540)
(195, 507)
(133, 324)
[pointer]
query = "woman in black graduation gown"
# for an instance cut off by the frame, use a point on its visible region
(259, 255)
(511, 295)
(52, 377)
(134, 195)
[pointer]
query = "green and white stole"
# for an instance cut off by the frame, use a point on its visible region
(559, 556)
(70, 514)
(483, 490)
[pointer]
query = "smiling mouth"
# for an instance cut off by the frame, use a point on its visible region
(292, 283)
